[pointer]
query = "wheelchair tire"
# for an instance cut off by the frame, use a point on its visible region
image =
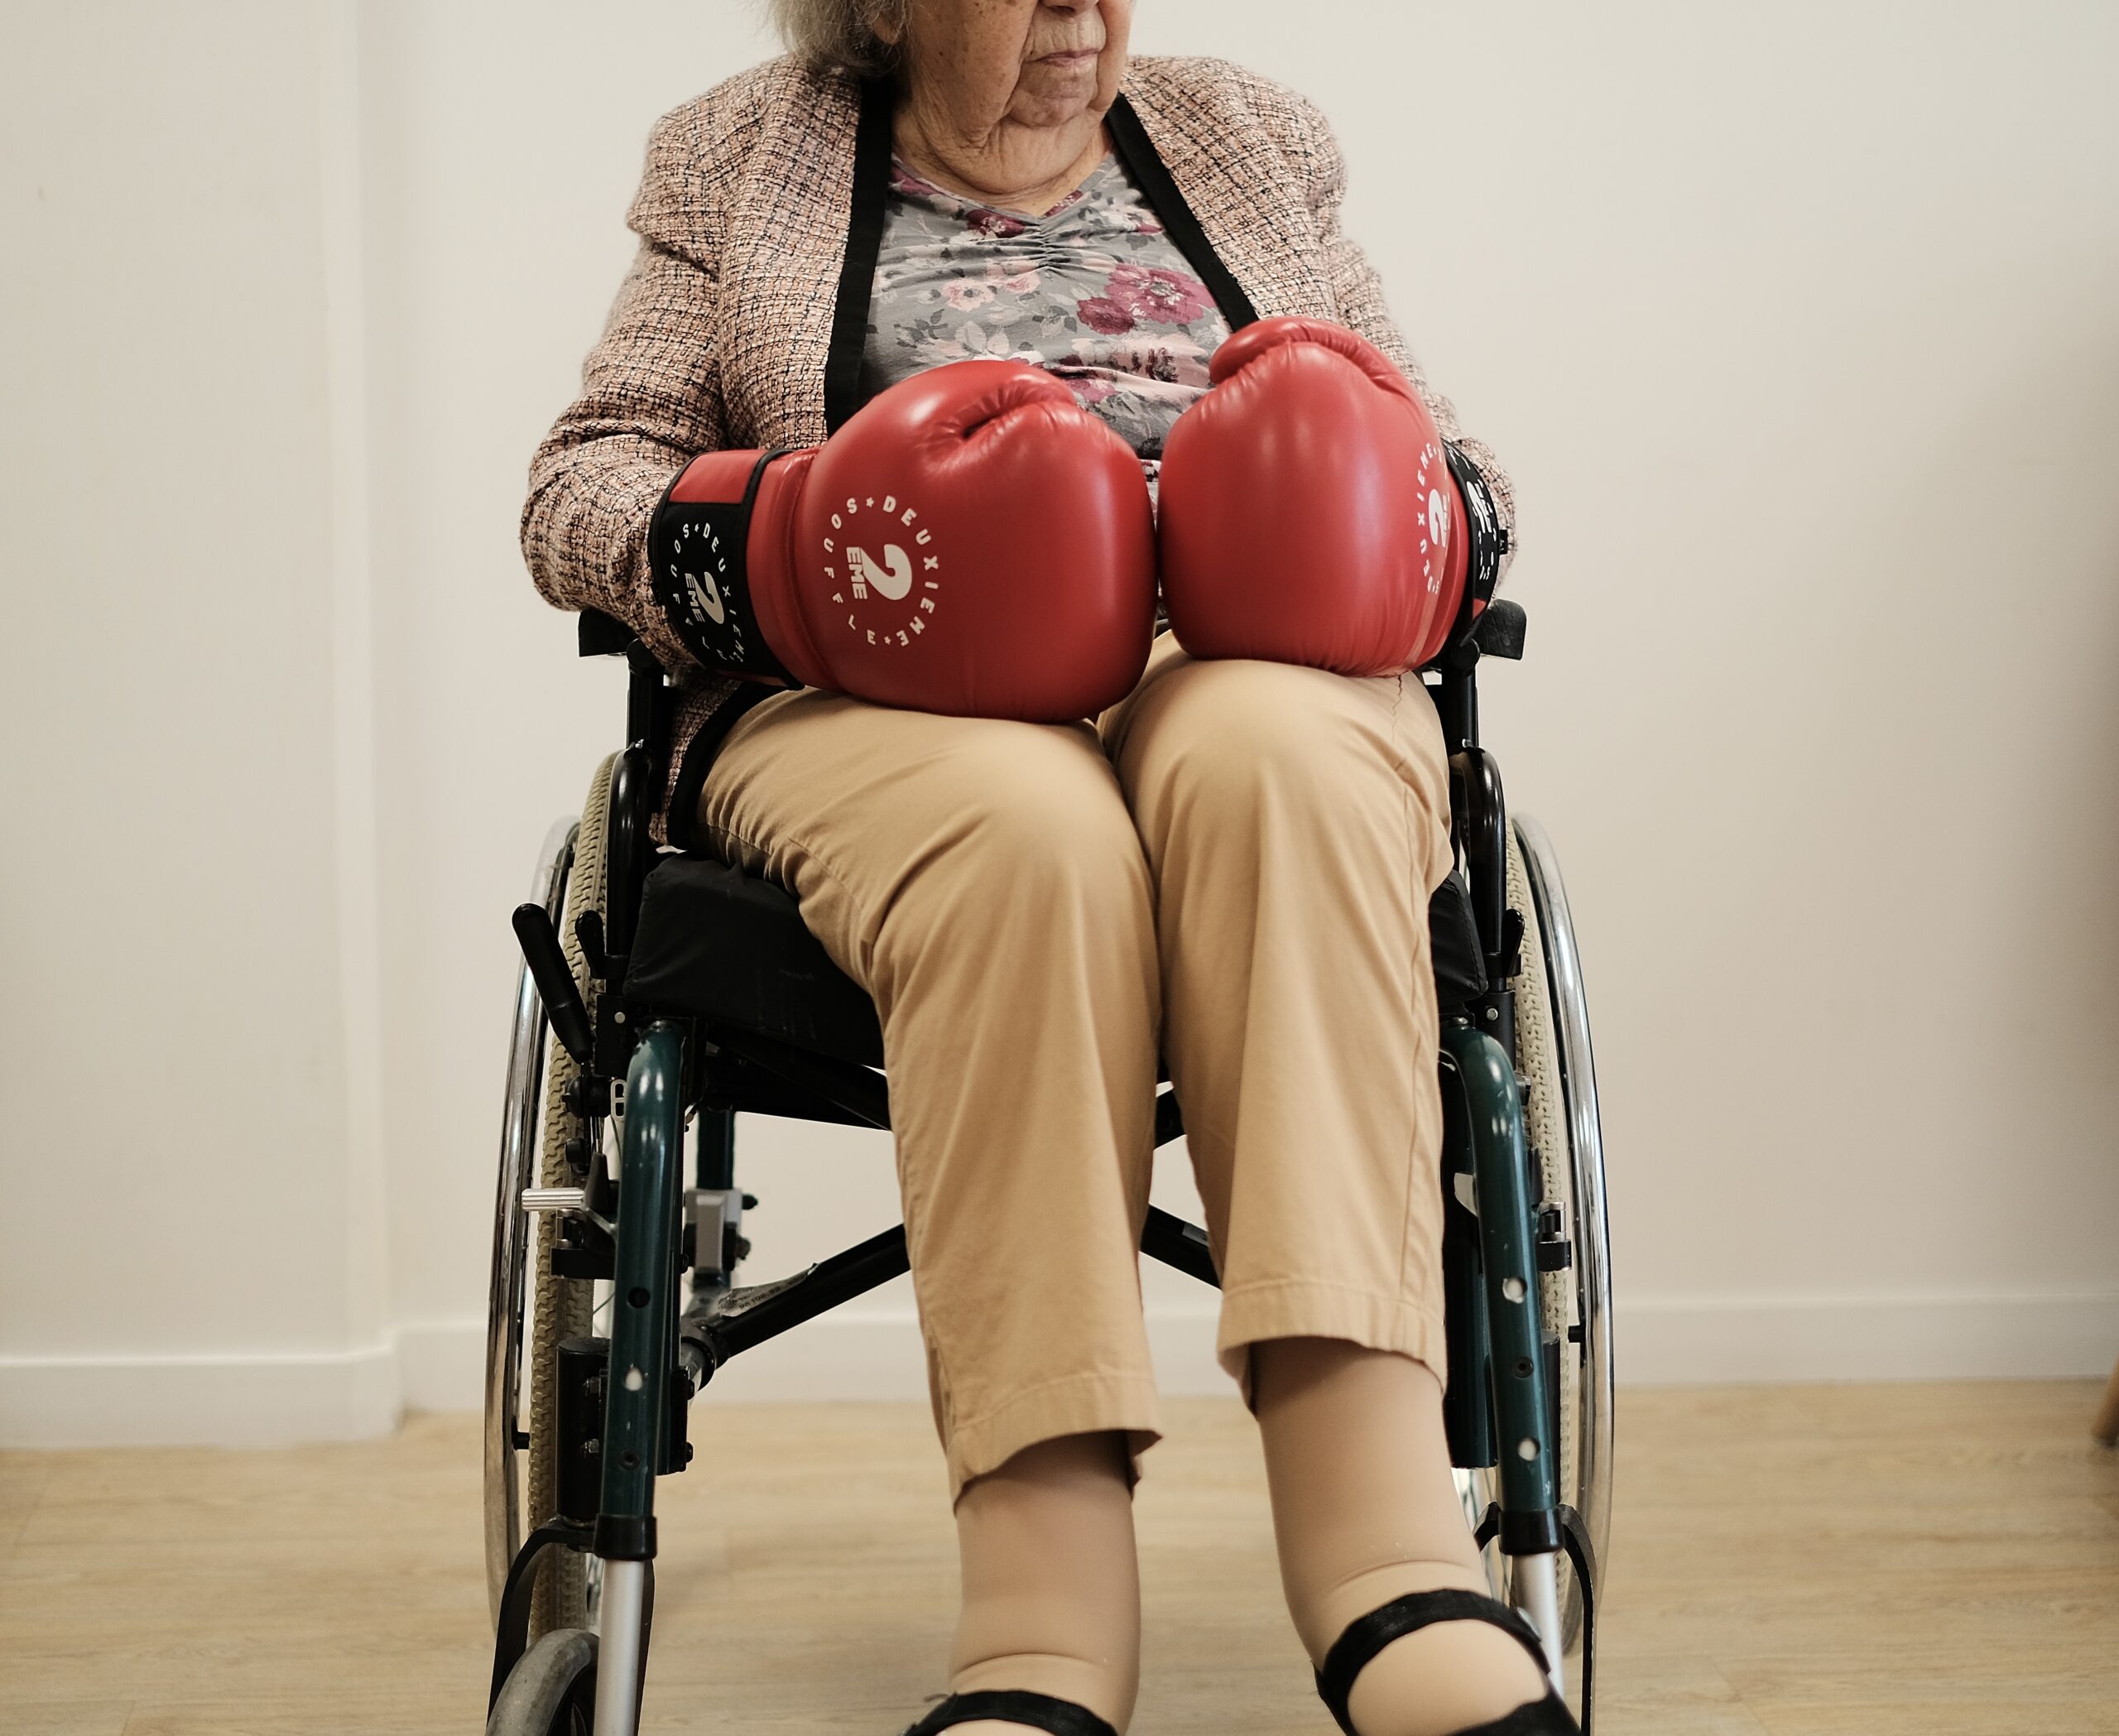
(564, 1308)
(1557, 1072)
(531, 1311)
(551, 1690)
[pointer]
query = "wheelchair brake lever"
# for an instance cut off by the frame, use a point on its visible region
(555, 979)
(588, 935)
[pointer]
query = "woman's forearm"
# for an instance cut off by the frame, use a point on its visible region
(650, 402)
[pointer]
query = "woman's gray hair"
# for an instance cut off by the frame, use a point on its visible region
(834, 36)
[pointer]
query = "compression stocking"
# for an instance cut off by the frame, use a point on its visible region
(1051, 1585)
(1365, 1510)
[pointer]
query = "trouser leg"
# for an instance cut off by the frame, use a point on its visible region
(982, 880)
(1295, 822)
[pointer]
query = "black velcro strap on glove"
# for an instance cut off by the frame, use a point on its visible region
(1488, 544)
(696, 556)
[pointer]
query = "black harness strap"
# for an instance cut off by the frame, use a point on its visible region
(864, 240)
(1145, 164)
(871, 199)
(680, 822)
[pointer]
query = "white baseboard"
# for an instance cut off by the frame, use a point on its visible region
(267, 1400)
(854, 1353)
(1669, 1340)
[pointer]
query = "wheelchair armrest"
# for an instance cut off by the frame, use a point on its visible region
(1501, 629)
(600, 635)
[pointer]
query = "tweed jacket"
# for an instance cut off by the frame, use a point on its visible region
(738, 322)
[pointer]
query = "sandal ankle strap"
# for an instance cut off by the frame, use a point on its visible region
(1366, 1635)
(1014, 1705)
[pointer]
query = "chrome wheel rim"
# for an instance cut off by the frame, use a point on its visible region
(518, 1147)
(1591, 1231)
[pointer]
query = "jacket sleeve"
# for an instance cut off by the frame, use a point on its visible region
(1315, 153)
(650, 402)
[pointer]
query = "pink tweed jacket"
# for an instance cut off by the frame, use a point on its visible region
(722, 330)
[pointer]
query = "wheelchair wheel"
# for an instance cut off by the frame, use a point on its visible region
(1557, 1073)
(551, 1691)
(531, 1311)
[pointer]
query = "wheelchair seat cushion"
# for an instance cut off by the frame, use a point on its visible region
(1460, 970)
(715, 942)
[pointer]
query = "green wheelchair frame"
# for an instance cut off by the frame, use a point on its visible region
(1525, 1247)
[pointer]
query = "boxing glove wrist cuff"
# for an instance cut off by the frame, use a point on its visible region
(698, 560)
(1489, 546)
(1486, 539)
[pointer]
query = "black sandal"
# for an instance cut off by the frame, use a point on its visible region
(1369, 1634)
(1016, 1705)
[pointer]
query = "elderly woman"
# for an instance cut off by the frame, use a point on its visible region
(1229, 866)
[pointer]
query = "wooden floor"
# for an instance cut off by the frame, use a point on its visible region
(1935, 1559)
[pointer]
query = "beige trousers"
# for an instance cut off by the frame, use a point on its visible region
(1234, 863)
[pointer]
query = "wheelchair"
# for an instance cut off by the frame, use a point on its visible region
(662, 994)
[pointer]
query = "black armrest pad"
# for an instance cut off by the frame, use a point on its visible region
(1501, 629)
(600, 635)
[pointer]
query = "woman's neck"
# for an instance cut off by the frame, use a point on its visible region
(1011, 167)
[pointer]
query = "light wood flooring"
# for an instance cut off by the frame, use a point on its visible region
(1935, 1559)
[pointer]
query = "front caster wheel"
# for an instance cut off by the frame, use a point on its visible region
(551, 1690)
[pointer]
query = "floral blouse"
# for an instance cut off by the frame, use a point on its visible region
(1092, 291)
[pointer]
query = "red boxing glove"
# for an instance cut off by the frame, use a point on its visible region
(1309, 512)
(971, 543)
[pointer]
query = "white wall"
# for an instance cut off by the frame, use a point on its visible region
(1795, 325)
(192, 1242)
